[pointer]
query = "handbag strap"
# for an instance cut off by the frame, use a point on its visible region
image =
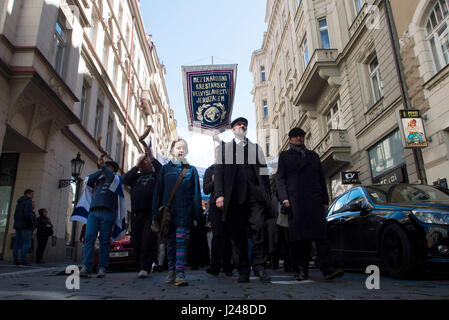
(178, 182)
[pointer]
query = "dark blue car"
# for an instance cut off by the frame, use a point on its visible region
(402, 228)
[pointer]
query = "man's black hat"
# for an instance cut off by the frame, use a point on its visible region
(237, 120)
(296, 132)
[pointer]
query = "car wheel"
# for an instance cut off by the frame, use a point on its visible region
(397, 253)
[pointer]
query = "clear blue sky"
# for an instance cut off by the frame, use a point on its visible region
(190, 32)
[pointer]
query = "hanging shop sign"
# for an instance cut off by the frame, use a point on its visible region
(351, 177)
(412, 129)
(209, 95)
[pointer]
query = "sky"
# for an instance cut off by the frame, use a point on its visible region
(190, 32)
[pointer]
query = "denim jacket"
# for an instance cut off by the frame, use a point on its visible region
(100, 181)
(186, 204)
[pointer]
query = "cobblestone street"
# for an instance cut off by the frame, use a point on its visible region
(48, 282)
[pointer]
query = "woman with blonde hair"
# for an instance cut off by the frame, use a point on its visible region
(185, 208)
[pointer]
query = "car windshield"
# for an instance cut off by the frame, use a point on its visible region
(405, 193)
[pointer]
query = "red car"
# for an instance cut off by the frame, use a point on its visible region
(121, 254)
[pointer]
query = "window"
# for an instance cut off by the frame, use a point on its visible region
(109, 135)
(437, 34)
(83, 104)
(267, 145)
(118, 148)
(105, 53)
(305, 53)
(262, 73)
(98, 116)
(340, 202)
(333, 118)
(60, 38)
(324, 33)
(115, 72)
(355, 196)
(265, 108)
(358, 4)
(375, 79)
(386, 155)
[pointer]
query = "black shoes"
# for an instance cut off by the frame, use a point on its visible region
(303, 274)
(335, 274)
(212, 271)
(243, 278)
(25, 263)
(228, 273)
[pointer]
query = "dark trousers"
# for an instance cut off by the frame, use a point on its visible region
(244, 220)
(221, 247)
(41, 243)
(143, 240)
(302, 254)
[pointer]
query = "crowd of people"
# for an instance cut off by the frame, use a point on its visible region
(250, 222)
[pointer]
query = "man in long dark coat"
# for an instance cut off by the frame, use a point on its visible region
(242, 191)
(302, 188)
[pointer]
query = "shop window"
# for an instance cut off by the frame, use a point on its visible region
(386, 155)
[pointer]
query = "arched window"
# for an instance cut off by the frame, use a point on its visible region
(437, 33)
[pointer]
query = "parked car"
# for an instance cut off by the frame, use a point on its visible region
(401, 228)
(121, 254)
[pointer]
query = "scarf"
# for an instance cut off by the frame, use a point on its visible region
(300, 149)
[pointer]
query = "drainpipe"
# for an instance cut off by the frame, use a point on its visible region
(127, 95)
(417, 153)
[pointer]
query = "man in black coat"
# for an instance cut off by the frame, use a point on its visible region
(44, 230)
(221, 247)
(24, 224)
(242, 191)
(142, 179)
(302, 189)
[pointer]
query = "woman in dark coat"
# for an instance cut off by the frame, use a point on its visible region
(44, 230)
(302, 187)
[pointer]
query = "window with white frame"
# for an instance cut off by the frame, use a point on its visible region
(83, 104)
(438, 33)
(358, 4)
(305, 53)
(118, 148)
(375, 78)
(109, 134)
(98, 118)
(60, 37)
(267, 146)
(262, 73)
(333, 118)
(324, 33)
(265, 108)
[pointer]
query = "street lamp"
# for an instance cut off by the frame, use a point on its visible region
(77, 167)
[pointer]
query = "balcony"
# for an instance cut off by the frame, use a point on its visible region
(334, 151)
(322, 70)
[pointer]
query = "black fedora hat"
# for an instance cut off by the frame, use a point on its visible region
(237, 120)
(296, 132)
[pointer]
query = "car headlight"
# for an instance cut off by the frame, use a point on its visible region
(431, 217)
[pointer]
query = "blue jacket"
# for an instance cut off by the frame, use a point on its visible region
(24, 217)
(100, 181)
(186, 205)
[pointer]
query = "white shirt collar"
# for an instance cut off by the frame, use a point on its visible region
(240, 142)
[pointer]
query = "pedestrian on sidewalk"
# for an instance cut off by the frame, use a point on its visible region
(142, 179)
(105, 206)
(242, 191)
(24, 224)
(185, 207)
(44, 230)
(302, 190)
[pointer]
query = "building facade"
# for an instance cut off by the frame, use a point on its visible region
(422, 28)
(70, 73)
(328, 67)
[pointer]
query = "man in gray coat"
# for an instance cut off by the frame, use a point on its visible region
(302, 190)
